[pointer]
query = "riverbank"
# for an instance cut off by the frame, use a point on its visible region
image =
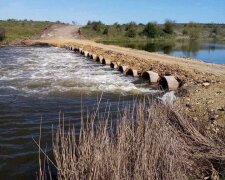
(203, 91)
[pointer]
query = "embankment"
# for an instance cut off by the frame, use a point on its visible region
(201, 85)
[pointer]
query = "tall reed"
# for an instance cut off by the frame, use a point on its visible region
(146, 142)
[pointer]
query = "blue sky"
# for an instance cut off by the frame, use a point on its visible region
(121, 11)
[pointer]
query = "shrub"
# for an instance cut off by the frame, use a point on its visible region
(105, 31)
(131, 33)
(97, 25)
(169, 27)
(151, 30)
(130, 25)
(193, 30)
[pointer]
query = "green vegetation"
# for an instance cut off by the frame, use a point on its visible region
(170, 30)
(12, 30)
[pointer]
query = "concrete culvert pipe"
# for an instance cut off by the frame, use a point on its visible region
(153, 77)
(113, 65)
(94, 57)
(132, 72)
(80, 50)
(107, 62)
(168, 83)
(122, 68)
(86, 53)
(101, 58)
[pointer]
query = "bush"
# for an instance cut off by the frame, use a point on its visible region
(130, 26)
(2, 34)
(151, 30)
(193, 30)
(131, 33)
(96, 25)
(169, 27)
(105, 31)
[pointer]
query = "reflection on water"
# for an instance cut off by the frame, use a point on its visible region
(208, 51)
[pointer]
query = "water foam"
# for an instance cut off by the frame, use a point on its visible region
(53, 70)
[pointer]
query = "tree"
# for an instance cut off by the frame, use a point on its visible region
(131, 33)
(89, 23)
(96, 25)
(2, 34)
(105, 31)
(192, 30)
(130, 25)
(151, 30)
(169, 27)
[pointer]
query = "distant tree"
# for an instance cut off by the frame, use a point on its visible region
(192, 30)
(106, 31)
(117, 26)
(130, 25)
(2, 34)
(151, 30)
(169, 27)
(131, 33)
(96, 25)
(89, 23)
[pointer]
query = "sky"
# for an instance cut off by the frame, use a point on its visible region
(111, 11)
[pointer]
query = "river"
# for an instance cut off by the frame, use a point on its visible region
(39, 82)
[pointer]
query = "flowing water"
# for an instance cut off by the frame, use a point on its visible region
(38, 83)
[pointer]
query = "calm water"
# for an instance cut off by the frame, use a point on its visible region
(41, 82)
(208, 51)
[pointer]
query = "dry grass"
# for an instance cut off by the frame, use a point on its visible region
(146, 142)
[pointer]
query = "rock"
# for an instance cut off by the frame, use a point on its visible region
(206, 84)
(188, 105)
(221, 108)
(213, 117)
(195, 119)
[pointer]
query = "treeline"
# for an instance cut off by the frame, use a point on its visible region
(169, 29)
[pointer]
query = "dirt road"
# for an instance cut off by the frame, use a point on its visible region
(60, 31)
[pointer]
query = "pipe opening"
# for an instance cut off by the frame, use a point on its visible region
(145, 76)
(121, 69)
(98, 59)
(103, 61)
(163, 84)
(130, 72)
(112, 65)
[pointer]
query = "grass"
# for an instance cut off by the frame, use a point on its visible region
(145, 142)
(16, 29)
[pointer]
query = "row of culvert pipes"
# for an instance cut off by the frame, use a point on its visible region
(168, 82)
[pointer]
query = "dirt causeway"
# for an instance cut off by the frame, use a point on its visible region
(203, 92)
